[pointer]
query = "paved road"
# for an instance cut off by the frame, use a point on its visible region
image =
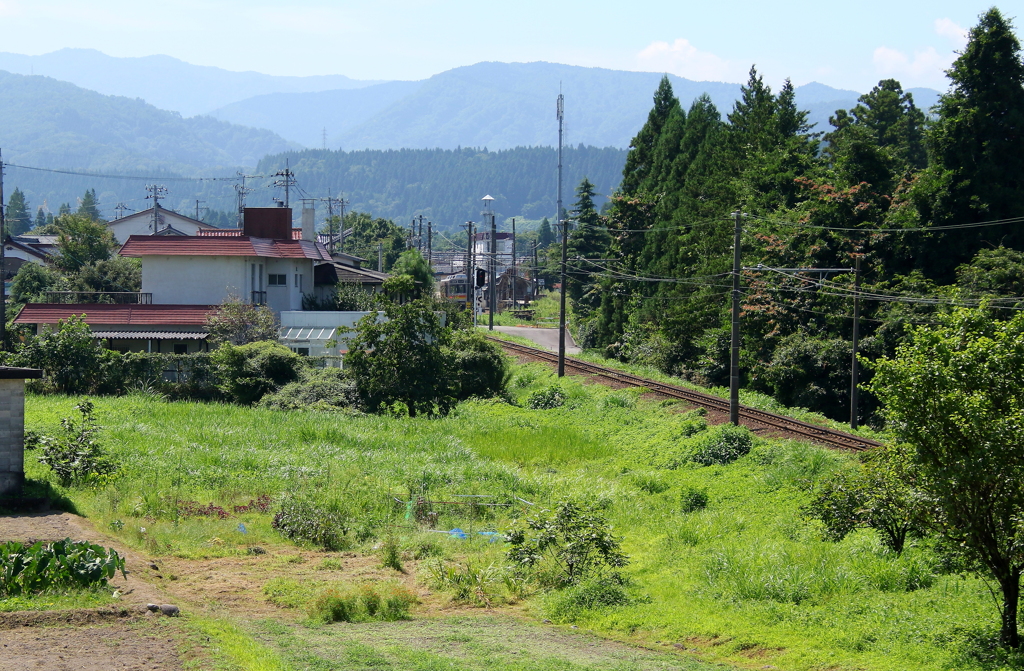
(545, 337)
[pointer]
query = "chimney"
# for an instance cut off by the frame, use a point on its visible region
(267, 222)
(308, 224)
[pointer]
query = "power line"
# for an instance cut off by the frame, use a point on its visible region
(165, 178)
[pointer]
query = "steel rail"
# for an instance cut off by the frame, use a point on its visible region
(812, 432)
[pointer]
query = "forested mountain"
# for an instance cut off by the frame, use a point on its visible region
(932, 211)
(446, 185)
(164, 81)
(496, 105)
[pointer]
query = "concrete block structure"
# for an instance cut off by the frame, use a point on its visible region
(12, 427)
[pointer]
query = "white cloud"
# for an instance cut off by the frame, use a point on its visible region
(925, 64)
(683, 59)
(951, 31)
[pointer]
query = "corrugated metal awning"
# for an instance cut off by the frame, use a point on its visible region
(315, 333)
(150, 335)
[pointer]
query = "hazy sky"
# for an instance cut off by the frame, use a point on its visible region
(843, 44)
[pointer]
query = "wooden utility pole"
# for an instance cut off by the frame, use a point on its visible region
(565, 239)
(515, 268)
(734, 360)
(3, 262)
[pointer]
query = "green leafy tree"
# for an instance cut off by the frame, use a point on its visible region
(403, 361)
(82, 242)
(414, 265)
(18, 218)
(545, 236)
(368, 233)
(589, 239)
(568, 545)
(640, 160)
(69, 354)
(955, 395)
(237, 323)
(480, 367)
(32, 282)
(88, 206)
(40, 220)
(248, 372)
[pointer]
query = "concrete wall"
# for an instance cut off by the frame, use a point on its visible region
(12, 436)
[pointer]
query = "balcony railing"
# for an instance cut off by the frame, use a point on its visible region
(259, 298)
(115, 297)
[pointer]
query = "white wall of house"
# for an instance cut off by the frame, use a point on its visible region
(142, 224)
(12, 252)
(209, 280)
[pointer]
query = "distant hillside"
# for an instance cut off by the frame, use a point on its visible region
(164, 81)
(498, 106)
(446, 185)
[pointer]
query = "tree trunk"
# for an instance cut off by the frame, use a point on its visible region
(1010, 586)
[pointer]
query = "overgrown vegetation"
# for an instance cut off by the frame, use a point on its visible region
(52, 567)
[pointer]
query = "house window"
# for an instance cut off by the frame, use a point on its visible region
(181, 349)
(301, 351)
(277, 280)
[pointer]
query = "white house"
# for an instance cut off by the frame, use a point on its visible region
(264, 266)
(155, 221)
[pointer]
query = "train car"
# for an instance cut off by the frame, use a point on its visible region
(453, 288)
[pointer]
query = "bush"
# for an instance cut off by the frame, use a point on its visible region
(74, 455)
(248, 372)
(477, 584)
(692, 499)
(568, 605)
(324, 389)
(30, 569)
(480, 367)
(548, 398)
(567, 545)
(722, 445)
(71, 357)
(316, 523)
(385, 603)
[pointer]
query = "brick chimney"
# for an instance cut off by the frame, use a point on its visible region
(267, 222)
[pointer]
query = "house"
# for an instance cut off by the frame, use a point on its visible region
(172, 329)
(155, 221)
(22, 249)
(263, 264)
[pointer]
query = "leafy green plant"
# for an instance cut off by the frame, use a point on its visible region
(74, 454)
(248, 372)
(390, 556)
(569, 544)
(477, 584)
(305, 520)
(385, 603)
(692, 499)
(568, 605)
(325, 389)
(722, 444)
(30, 569)
(548, 398)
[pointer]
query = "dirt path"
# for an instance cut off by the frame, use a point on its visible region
(89, 648)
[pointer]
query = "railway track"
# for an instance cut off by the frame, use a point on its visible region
(750, 417)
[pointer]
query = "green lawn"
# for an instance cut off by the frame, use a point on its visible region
(746, 581)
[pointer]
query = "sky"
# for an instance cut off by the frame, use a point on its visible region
(845, 45)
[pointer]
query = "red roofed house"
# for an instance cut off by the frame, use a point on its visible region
(184, 278)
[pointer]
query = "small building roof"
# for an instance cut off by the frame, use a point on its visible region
(335, 273)
(151, 335)
(120, 315)
(164, 212)
(8, 373)
(239, 245)
(28, 248)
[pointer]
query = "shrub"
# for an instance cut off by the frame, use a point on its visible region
(70, 356)
(548, 398)
(74, 455)
(248, 372)
(239, 322)
(476, 584)
(480, 367)
(568, 605)
(386, 603)
(319, 524)
(324, 389)
(692, 499)
(29, 569)
(567, 545)
(722, 445)
(390, 557)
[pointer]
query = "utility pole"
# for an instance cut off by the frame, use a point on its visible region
(380, 257)
(199, 208)
(419, 235)
(515, 268)
(119, 209)
(3, 262)
(240, 191)
(430, 245)
(493, 279)
(470, 275)
(536, 271)
(156, 192)
(330, 223)
(734, 359)
(854, 365)
(287, 181)
(560, 113)
(341, 226)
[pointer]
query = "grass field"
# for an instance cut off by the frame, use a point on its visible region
(745, 581)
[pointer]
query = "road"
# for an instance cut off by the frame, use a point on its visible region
(545, 337)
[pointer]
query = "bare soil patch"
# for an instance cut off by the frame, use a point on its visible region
(88, 648)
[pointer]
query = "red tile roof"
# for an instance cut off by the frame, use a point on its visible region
(236, 245)
(235, 232)
(107, 314)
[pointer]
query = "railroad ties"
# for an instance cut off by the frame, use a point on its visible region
(749, 416)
